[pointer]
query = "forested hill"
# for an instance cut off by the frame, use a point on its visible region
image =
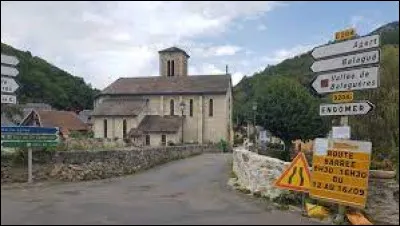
(381, 126)
(42, 82)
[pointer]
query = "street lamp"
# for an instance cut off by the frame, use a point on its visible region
(182, 107)
(254, 120)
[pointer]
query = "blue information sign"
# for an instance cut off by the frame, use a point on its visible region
(29, 129)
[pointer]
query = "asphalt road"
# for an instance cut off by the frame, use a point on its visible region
(190, 191)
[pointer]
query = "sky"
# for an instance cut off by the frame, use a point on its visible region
(102, 41)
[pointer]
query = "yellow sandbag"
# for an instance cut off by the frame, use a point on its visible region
(357, 219)
(316, 211)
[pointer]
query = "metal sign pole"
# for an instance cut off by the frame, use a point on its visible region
(29, 163)
(344, 121)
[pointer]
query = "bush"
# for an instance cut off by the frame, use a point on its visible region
(275, 146)
(238, 140)
(223, 145)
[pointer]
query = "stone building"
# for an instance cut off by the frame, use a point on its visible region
(171, 108)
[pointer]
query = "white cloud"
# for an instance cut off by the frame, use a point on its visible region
(236, 77)
(205, 69)
(355, 21)
(102, 41)
(282, 54)
(224, 50)
(261, 27)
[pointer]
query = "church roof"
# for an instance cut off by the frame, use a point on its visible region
(197, 84)
(157, 123)
(119, 107)
(173, 49)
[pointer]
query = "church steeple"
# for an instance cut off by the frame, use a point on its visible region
(173, 62)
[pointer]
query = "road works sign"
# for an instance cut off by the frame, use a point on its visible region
(25, 136)
(297, 176)
(342, 97)
(340, 171)
(359, 108)
(342, 62)
(354, 79)
(360, 44)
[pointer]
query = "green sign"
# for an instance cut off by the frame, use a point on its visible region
(29, 137)
(22, 144)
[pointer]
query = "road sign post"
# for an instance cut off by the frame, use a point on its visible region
(343, 67)
(8, 84)
(29, 137)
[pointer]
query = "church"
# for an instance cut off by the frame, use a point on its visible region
(168, 109)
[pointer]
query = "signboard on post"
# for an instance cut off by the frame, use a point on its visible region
(26, 136)
(342, 62)
(358, 108)
(8, 84)
(354, 79)
(340, 171)
(360, 44)
(29, 137)
(8, 99)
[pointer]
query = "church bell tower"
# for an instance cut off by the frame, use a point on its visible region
(173, 62)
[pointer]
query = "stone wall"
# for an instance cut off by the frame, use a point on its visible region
(383, 201)
(90, 165)
(257, 173)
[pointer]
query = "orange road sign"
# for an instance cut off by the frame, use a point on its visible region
(340, 171)
(342, 97)
(345, 34)
(297, 176)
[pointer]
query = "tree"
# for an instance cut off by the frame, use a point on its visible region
(289, 111)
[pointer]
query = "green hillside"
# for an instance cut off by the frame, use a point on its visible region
(42, 82)
(381, 127)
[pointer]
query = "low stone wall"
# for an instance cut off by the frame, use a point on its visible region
(89, 165)
(383, 201)
(93, 143)
(257, 173)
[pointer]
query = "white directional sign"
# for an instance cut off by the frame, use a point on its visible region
(11, 60)
(8, 85)
(360, 108)
(354, 45)
(9, 71)
(8, 99)
(354, 60)
(354, 79)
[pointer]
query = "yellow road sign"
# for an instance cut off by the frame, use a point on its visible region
(340, 171)
(297, 176)
(342, 97)
(345, 34)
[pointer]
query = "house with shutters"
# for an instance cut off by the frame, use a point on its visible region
(173, 107)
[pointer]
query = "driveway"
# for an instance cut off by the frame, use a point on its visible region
(189, 191)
